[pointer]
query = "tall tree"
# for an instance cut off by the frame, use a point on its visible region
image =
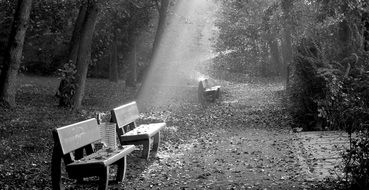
(163, 9)
(271, 38)
(84, 51)
(365, 20)
(131, 36)
(72, 91)
(75, 40)
(13, 53)
(287, 6)
(113, 66)
(132, 67)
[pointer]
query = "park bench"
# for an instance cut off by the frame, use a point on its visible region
(146, 134)
(71, 141)
(206, 92)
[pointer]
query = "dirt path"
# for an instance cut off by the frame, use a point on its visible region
(241, 142)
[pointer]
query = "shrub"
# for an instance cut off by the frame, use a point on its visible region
(334, 95)
(67, 86)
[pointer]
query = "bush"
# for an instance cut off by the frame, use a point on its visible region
(357, 161)
(328, 94)
(67, 86)
(306, 87)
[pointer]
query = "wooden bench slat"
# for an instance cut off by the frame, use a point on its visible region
(104, 156)
(144, 131)
(125, 116)
(78, 135)
(214, 88)
(128, 113)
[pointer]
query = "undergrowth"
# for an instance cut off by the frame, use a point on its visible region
(328, 94)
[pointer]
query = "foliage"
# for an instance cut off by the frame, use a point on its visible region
(52, 23)
(51, 26)
(330, 79)
(67, 87)
(255, 34)
(8, 8)
(357, 161)
(47, 36)
(305, 87)
(124, 22)
(239, 24)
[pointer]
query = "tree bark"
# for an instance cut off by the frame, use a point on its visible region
(13, 54)
(287, 6)
(345, 33)
(365, 19)
(64, 90)
(75, 40)
(275, 57)
(365, 25)
(161, 26)
(271, 39)
(84, 52)
(162, 9)
(132, 68)
(113, 66)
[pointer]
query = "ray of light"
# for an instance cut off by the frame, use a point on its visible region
(184, 45)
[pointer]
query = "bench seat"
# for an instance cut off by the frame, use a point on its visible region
(143, 131)
(104, 157)
(74, 144)
(146, 135)
(214, 88)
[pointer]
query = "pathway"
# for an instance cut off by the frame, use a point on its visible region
(242, 142)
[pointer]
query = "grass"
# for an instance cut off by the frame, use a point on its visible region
(25, 130)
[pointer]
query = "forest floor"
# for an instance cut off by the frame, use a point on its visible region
(242, 141)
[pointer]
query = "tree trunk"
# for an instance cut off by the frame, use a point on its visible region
(344, 38)
(65, 91)
(161, 26)
(13, 54)
(75, 40)
(275, 57)
(84, 52)
(365, 20)
(264, 54)
(113, 66)
(132, 74)
(287, 6)
(158, 36)
(272, 43)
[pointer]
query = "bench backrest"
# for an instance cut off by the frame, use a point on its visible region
(77, 135)
(204, 84)
(125, 115)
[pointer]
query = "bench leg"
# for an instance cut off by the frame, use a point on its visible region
(156, 143)
(146, 149)
(121, 173)
(103, 178)
(56, 170)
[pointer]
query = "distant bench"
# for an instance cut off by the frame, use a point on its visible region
(79, 137)
(206, 92)
(146, 134)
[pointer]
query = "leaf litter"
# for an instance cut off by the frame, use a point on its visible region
(242, 141)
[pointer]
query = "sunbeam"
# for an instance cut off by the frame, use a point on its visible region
(184, 46)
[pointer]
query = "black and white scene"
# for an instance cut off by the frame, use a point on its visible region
(184, 94)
